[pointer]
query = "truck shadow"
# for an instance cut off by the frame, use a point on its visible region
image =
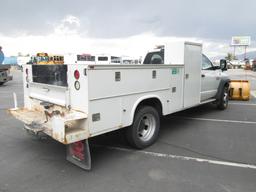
(99, 146)
(174, 124)
(176, 120)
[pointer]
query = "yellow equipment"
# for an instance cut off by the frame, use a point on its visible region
(45, 59)
(239, 90)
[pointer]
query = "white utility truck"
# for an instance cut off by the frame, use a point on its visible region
(72, 103)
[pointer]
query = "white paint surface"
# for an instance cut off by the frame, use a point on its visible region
(217, 120)
(183, 158)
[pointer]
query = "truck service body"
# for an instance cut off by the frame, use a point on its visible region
(72, 103)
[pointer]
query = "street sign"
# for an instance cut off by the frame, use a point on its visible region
(241, 41)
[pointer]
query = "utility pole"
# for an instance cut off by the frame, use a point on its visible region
(245, 47)
(234, 51)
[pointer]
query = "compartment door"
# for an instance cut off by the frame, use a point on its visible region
(50, 84)
(53, 94)
(192, 82)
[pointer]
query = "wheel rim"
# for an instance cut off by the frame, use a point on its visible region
(225, 98)
(147, 126)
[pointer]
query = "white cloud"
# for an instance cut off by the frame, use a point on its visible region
(67, 37)
(70, 25)
(72, 42)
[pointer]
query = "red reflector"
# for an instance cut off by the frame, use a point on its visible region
(76, 74)
(26, 71)
(77, 150)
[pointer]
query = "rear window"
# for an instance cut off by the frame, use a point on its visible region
(50, 74)
(102, 58)
(154, 58)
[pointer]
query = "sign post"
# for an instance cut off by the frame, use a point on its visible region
(241, 41)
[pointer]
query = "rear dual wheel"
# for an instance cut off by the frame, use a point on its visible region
(145, 128)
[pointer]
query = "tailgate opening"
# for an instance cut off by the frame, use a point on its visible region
(50, 84)
(50, 74)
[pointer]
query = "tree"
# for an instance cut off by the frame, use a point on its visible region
(230, 57)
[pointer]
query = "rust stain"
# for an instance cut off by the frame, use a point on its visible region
(37, 114)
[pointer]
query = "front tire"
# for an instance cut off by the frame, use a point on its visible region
(145, 128)
(223, 101)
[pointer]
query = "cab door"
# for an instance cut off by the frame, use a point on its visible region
(210, 78)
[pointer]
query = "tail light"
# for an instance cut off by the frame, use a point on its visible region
(76, 74)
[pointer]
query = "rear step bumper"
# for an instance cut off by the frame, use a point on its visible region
(66, 128)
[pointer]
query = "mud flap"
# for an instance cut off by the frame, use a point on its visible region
(78, 153)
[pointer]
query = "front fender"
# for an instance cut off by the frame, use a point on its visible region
(223, 82)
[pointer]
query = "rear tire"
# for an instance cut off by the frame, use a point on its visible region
(1, 83)
(145, 128)
(223, 101)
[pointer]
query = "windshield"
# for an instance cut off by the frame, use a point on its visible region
(42, 59)
(115, 59)
(102, 58)
(85, 58)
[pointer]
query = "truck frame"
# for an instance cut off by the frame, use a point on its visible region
(72, 103)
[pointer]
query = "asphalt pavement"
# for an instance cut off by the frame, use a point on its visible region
(200, 149)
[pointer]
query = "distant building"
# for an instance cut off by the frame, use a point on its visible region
(21, 60)
(10, 60)
(1, 56)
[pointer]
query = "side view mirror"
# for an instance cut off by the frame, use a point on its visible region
(223, 65)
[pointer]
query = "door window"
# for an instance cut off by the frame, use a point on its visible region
(206, 63)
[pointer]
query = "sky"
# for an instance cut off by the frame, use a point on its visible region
(122, 27)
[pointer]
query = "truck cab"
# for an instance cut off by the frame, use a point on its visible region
(211, 76)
